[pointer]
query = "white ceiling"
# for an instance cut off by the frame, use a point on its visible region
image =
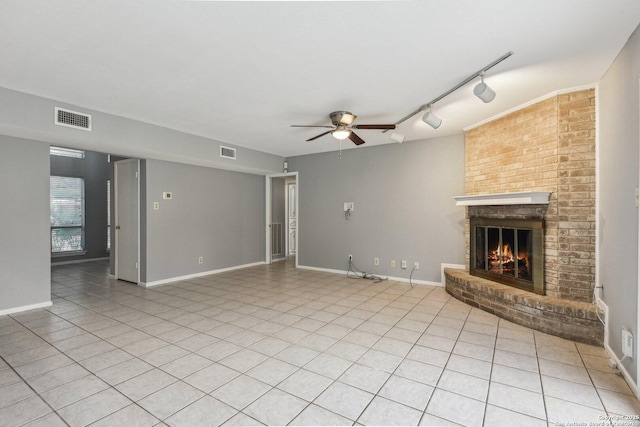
(242, 72)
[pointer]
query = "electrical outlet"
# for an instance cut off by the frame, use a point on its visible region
(404, 264)
(393, 263)
(376, 261)
(416, 265)
(201, 260)
(156, 206)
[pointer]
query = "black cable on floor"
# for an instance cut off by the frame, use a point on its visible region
(354, 273)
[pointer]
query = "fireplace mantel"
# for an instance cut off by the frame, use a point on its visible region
(521, 198)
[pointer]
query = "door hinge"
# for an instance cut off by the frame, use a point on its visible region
(136, 265)
(136, 174)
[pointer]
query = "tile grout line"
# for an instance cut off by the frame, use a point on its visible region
(35, 393)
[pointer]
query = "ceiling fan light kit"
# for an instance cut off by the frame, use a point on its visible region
(341, 133)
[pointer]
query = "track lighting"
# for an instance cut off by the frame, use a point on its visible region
(341, 133)
(431, 119)
(397, 137)
(484, 92)
(481, 90)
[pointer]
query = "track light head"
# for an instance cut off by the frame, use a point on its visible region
(397, 137)
(431, 119)
(484, 92)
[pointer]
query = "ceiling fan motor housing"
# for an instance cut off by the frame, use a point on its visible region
(341, 118)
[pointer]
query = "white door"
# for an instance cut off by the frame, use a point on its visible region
(292, 218)
(127, 219)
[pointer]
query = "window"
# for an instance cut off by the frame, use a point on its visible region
(67, 214)
(108, 214)
(66, 152)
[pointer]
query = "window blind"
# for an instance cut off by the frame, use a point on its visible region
(66, 152)
(67, 213)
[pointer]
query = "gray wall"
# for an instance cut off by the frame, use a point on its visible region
(28, 116)
(278, 214)
(618, 154)
(403, 207)
(94, 168)
(25, 274)
(216, 214)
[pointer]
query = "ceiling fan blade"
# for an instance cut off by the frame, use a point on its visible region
(310, 126)
(318, 136)
(374, 126)
(355, 138)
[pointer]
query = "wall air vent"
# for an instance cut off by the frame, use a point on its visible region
(227, 153)
(72, 119)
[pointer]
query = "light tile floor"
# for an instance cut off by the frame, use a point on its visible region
(275, 345)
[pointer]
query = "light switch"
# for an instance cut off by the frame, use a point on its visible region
(167, 195)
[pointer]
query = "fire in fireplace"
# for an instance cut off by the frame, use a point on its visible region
(508, 251)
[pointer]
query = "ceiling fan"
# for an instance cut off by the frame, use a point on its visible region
(342, 127)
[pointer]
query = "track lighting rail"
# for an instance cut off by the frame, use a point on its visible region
(424, 107)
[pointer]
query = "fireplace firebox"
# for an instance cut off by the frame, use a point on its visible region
(508, 251)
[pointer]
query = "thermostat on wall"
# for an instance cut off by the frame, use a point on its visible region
(167, 195)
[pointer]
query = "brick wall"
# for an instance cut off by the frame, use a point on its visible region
(548, 146)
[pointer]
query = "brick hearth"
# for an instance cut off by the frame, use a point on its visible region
(573, 320)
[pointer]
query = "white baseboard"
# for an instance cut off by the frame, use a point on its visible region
(192, 276)
(80, 261)
(324, 270)
(397, 279)
(443, 280)
(625, 374)
(25, 308)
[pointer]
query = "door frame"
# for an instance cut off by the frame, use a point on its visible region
(115, 204)
(268, 207)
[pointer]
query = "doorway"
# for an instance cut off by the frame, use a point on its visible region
(127, 220)
(282, 219)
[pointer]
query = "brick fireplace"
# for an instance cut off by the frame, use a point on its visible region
(545, 147)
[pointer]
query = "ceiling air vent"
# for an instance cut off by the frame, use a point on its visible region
(72, 119)
(227, 153)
